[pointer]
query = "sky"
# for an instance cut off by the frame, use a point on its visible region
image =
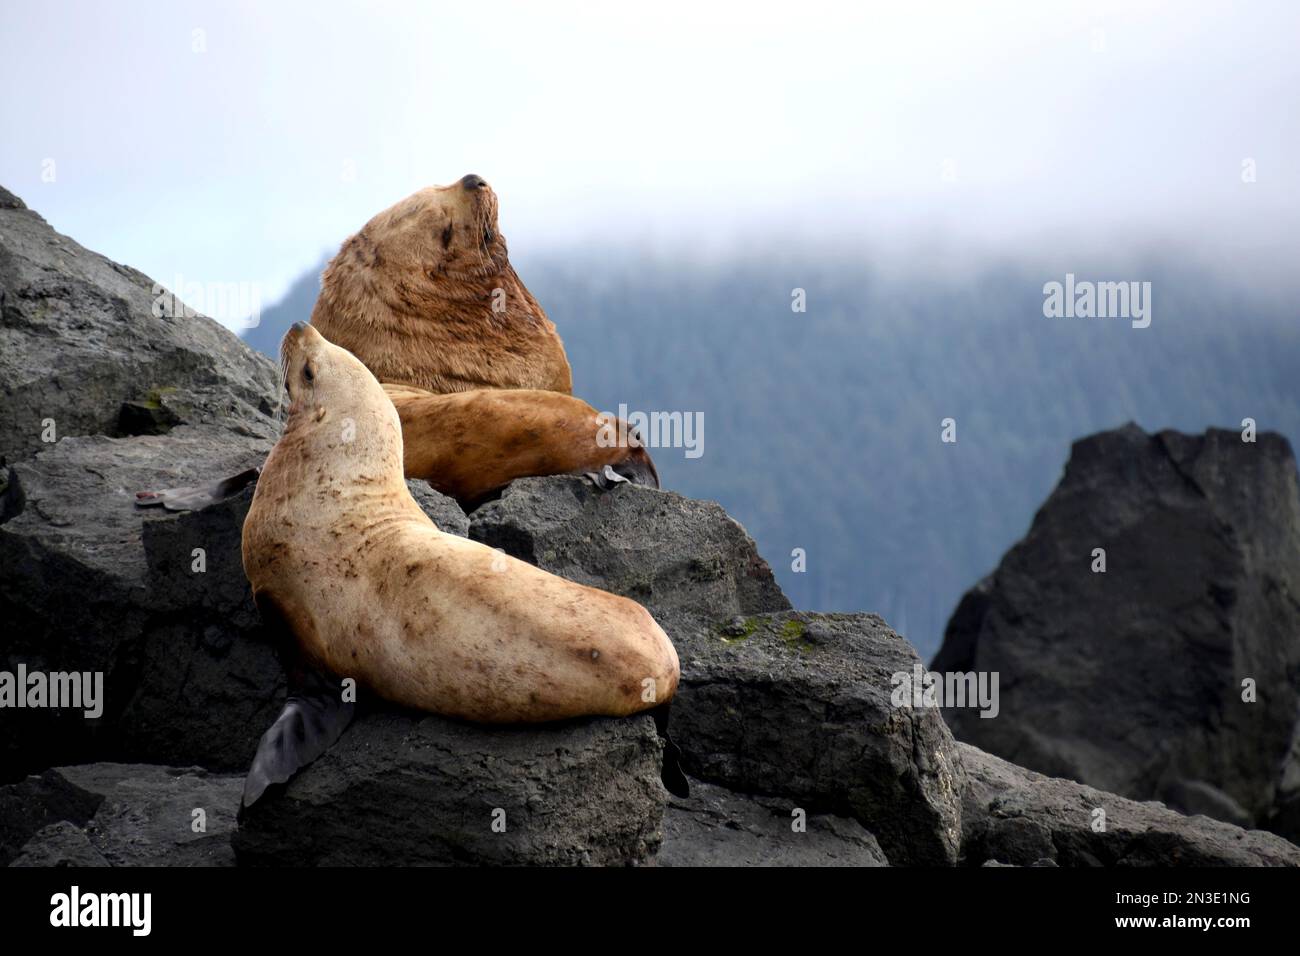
(241, 142)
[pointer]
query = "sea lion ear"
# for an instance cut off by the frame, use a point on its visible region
(313, 717)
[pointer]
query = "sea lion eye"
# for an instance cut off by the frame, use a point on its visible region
(307, 374)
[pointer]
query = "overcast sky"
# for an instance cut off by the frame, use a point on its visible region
(241, 142)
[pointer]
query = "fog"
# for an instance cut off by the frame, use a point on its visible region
(240, 142)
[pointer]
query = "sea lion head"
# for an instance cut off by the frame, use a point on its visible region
(442, 231)
(425, 295)
(336, 403)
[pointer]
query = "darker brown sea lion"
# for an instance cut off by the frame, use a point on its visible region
(424, 294)
(344, 561)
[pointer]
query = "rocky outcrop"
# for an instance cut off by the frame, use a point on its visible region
(435, 791)
(787, 720)
(1015, 816)
(686, 560)
(1175, 673)
(156, 602)
(799, 706)
(119, 815)
(91, 347)
(790, 705)
(720, 827)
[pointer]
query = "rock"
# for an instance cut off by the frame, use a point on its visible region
(1194, 797)
(716, 827)
(1019, 817)
(124, 815)
(428, 791)
(685, 560)
(91, 583)
(443, 511)
(1132, 680)
(81, 346)
(796, 706)
(799, 705)
(29, 805)
(150, 815)
(60, 844)
(88, 582)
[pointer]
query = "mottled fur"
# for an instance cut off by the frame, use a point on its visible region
(371, 589)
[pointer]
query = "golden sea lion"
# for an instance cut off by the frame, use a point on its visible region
(424, 295)
(341, 557)
(470, 445)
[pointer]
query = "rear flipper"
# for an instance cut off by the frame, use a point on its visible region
(314, 716)
(197, 496)
(671, 774)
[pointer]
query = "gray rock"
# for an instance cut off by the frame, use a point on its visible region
(717, 827)
(59, 845)
(160, 816)
(1194, 797)
(91, 583)
(422, 790)
(443, 511)
(1022, 818)
(29, 805)
(796, 706)
(799, 705)
(125, 815)
(80, 344)
(1131, 680)
(685, 560)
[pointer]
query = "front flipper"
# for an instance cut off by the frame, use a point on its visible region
(671, 774)
(314, 716)
(605, 479)
(193, 497)
(637, 468)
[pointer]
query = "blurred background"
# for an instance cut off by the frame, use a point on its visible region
(669, 176)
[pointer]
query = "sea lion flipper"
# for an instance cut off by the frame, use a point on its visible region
(193, 497)
(671, 774)
(627, 472)
(313, 717)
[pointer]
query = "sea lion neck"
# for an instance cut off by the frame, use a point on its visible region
(359, 448)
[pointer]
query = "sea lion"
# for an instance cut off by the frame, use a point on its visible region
(425, 295)
(342, 558)
(470, 445)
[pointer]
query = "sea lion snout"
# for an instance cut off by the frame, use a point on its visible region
(473, 182)
(300, 334)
